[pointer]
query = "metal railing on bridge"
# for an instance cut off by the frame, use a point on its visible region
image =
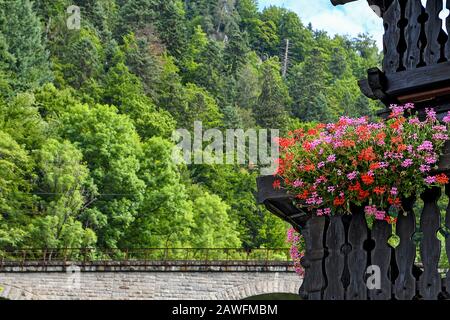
(147, 256)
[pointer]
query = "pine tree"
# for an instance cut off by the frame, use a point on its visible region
(171, 26)
(135, 15)
(236, 50)
(248, 85)
(308, 79)
(270, 111)
(248, 9)
(143, 59)
(6, 76)
(98, 14)
(81, 59)
(318, 109)
(23, 38)
(231, 117)
(300, 40)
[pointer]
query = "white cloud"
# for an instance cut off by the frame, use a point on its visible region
(350, 19)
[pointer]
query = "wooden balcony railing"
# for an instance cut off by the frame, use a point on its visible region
(416, 64)
(340, 249)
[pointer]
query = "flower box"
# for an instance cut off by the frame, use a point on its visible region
(340, 249)
(344, 257)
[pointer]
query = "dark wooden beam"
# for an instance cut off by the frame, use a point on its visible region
(377, 82)
(381, 4)
(416, 85)
(375, 87)
(340, 2)
(424, 95)
(384, 4)
(279, 203)
(366, 89)
(418, 80)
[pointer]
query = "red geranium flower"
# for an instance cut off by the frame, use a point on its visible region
(390, 220)
(286, 142)
(355, 187)
(397, 124)
(367, 155)
(375, 166)
(276, 184)
(348, 143)
(303, 196)
(380, 190)
(380, 136)
(394, 202)
(401, 148)
(362, 194)
(368, 180)
(339, 201)
(307, 146)
(397, 139)
(363, 133)
(442, 178)
(321, 126)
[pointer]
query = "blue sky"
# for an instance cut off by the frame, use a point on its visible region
(350, 19)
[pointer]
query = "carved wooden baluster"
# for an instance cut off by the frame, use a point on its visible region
(381, 257)
(447, 23)
(334, 263)
(314, 254)
(447, 240)
(433, 28)
(357, 258)
(430, 247)
(412, 33)
(346, 248)
(405, 253)
(391, 37)
(305, 262)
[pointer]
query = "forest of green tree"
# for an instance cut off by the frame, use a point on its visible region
(87, 116)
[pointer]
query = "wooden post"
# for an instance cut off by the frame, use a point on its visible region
(381, 257)
(430, 247)
(391, 37)
(357, 258)
(314, 278)
(334, 263)
(433, 28)
(412, 34)
(305, 263)
(447, 23)
(405, 253)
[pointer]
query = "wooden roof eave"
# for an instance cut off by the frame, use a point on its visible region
(279, 203)
(379, 6)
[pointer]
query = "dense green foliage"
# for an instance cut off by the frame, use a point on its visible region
(86, 116)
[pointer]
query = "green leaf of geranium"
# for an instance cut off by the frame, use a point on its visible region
(394, 241)
(393, 212)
